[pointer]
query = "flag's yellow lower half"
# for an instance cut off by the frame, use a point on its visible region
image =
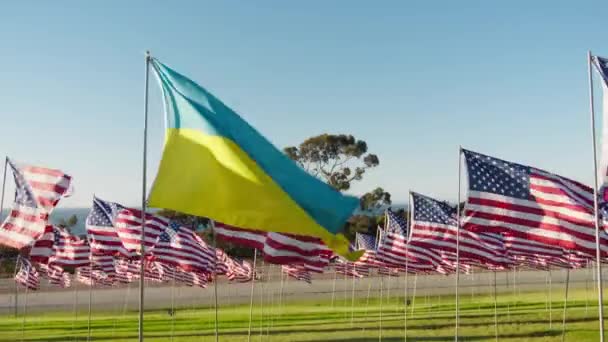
(210, 176)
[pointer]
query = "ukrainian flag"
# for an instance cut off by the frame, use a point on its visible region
(216, 165)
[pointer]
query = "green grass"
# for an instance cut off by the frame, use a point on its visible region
(520, 318)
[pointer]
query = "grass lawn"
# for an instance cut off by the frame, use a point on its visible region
(520, 318)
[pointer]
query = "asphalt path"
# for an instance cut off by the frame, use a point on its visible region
(158, 296)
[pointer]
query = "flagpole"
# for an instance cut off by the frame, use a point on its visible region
(550, 299)
(281, 294)
(255, 253)
(333, 291)
(352, 300)
(173, 307)
(405, 297)
(458, 243)
(565, 305)
(17, 266)
(380, 325)
(600, 295)
(217, 336)
(262, 305)
(90, 303)
(414, 293)
(27, 285)
(369, 290)
(495, 310)
(143, 203)
(3, 186)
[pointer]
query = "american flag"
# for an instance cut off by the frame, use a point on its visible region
(297, 272)
(390, 271)
(104, 263)
(37, 192)
(27, 275)
(347, 268)
(434, 226)
(69, 250)
(128, 228)
(517, 246)
(528, 203)
(103, 237)
(295, 249)
(92, 277)
(369, 258)
(55, 275)
(601, 65)
(395, 251)
(42, 247)
(395, 223)
(179, 246)
(243, 237)
(240, 271)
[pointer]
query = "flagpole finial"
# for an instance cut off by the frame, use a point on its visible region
(148, 55)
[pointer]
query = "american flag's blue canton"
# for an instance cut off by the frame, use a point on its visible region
(487, 174)
(23, 193)
(366, 241)
(396, 224)
(602, 64)
(429, 210)
(103, 213)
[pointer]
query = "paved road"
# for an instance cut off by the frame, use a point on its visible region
(159, 296)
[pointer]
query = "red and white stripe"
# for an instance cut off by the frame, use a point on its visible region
(128, 227)
(294, 249)
(297, 272)
(185, 251)
(239, 236)
(395, 251)
(69, 250)
(22, 226)
(559, 212)
(27, 276)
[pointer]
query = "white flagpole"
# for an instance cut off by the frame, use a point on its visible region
(598, 257)
(3, 186)
(255, 253)
(495, 309)
(565, 305)
(550, 299)
(405, 296)
(414, 294)
(27, 282)
(352, 300)
(17, 266)
(143, 203)
(388, 287)
(369, 290)
(333, 291)
(173, 307)
(380, 325)
(90, 303)
(587, 289)
(262, 302)
(458, 243)
(217, 336)
(75, 309)
(281, 293)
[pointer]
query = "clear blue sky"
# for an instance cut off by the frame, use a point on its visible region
(414, 79)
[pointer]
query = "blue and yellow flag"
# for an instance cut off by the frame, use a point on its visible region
(216, 165)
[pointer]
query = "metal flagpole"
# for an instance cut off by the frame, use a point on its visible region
(587, 290)
(369, 290)
(495, 310)
(3, 186)
(143, 203)
(565, 305)
(405, 297)
(27, 282)
(414, 293)
(388, 288)
(458, 243)
(281, 294)
(333, 291)
(381, 295)
(550, 299)
(17, 266)
(262, 304)
(600, 294)
(90, 303)
(217, 336)
(172, 307)
(75, 309)
(352, 300)
(255, 253)
(345, 289)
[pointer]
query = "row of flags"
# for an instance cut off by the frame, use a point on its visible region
(514, 214)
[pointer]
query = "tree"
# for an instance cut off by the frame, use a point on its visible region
(375, 200)
(338, 159)
(68, 223)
